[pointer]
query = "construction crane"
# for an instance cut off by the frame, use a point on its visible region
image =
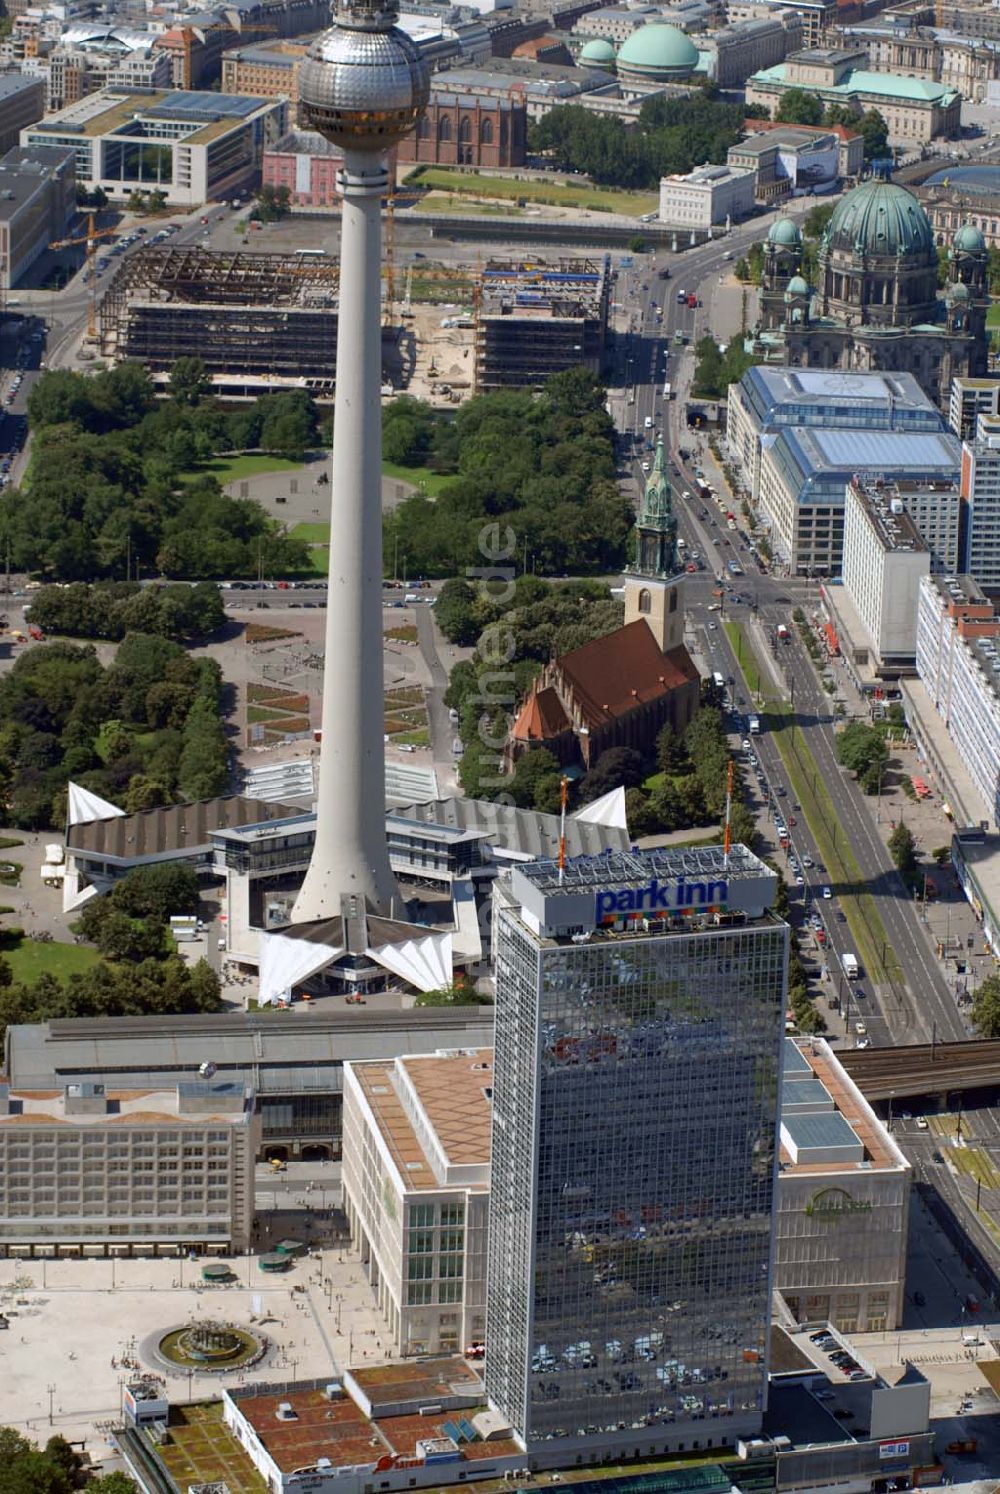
(90, 239)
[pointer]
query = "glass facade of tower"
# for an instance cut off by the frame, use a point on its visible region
(633, 1169)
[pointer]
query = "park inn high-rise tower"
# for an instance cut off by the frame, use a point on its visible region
(639, 1022)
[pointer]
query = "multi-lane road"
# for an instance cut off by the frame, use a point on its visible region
(921, 1005)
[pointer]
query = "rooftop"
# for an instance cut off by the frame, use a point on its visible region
(822, 1110)
(888, 518)
(627, 867)
(198, 117)
(960, 591)
(433, 1114)
(89, 1105)
(178, 827)
(859, 80)
(816, 396)
(11, 83)
(815, 452)
(26, 169)
(517, 832)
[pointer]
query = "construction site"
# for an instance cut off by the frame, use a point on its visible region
(253, 317)
(263, 321)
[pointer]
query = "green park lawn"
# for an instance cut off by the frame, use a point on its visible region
(29, 959)
(993, 315)
(251, 464)
(429, 483)
(603, 199)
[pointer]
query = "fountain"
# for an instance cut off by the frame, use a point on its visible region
(210, 1347)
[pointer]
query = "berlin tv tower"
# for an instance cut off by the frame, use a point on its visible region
(363, 85)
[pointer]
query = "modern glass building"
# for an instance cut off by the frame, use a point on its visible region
(639, 1019)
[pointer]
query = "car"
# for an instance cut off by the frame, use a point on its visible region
(800, 880)
(645, 466)
(841, 917)
(648, 422)
(687, 497)
(712, 627)
(827, 894)
(807, 860)
(859, 994)
(746, 744)
(922, 1123)
(860, 1029)
(821, 1337)
(780, 790)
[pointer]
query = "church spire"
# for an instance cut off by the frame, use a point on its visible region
(656, 530)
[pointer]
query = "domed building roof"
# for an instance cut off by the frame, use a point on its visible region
(784, 231)
(658, 51)
(797, 286)
(970, 239)
(598, 53)
(880, 218)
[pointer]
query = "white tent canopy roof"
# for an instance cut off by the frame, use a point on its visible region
(286, 962)
(84, 806)
(609, 809)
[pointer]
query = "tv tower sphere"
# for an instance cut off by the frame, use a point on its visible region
(363, 85)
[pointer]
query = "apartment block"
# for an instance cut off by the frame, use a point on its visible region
(92, 1170)
(958, 660)
(884, 561)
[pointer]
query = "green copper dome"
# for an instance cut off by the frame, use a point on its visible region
(784, 231)
(797, 286)
(660, 51)
(880, 218)
(598, 52)
(970, 239)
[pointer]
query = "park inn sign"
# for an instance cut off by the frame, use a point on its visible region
(658, 897)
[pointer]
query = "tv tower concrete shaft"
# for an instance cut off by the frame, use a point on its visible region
(351, 854)
(363, 84)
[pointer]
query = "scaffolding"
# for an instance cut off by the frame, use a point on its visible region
(244, 315)
(536, 318)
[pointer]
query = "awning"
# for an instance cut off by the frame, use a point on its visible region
(287, 962)
(83, 806)
(609, 809)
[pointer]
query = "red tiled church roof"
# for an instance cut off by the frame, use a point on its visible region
(607, 678)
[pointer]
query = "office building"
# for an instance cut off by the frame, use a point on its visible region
(876, 304)
(639, 1012)
(843, 1199)
(736, 51)
(37, 206)
(22, 102)
(851, 146)
(981, 495)
(915, 109)
(89, 1169)
(768, 399)
(788, 159)
(307, 165)
(294, 1060)
(958, 661)
(804, 474)
(267, 71)
(416, 1193)
(193, 147)
(971, 398)
(705, 196)
(885, 559)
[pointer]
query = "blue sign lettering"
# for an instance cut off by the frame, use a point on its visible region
(658, 897)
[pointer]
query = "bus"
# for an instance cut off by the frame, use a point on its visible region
(310, 254)
(718, 681)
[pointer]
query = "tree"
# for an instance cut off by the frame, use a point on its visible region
(457, 614)
(861, 749)
(986, 1007)
(616, 767)
(873, 127)
(902, 849)
(671, 755)
(797, 106)
(272, 203)
(189, 381)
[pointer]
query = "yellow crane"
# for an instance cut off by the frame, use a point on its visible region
(90, 238)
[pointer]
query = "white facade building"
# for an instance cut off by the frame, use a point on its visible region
(706, 196)
(981, 492)
(193, 147)
(971, 398)
(884, 561)
(90, 1170)
(958, 660)
(416, 1179)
